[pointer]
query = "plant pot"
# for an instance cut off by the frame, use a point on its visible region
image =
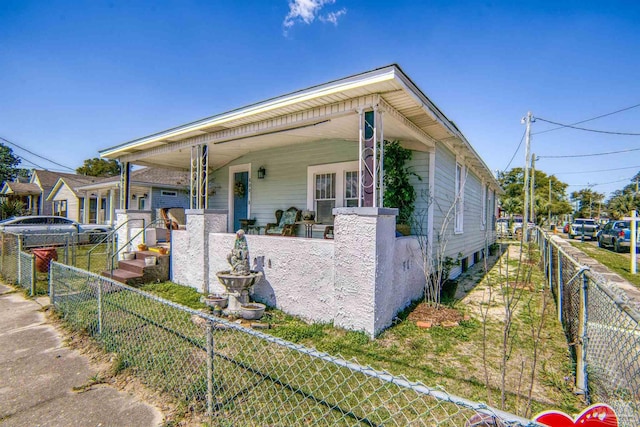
(142, 247)
(43, 257)
(150, 260)
(404, 229)
(214, 301)
(253, 311)
(128, 256)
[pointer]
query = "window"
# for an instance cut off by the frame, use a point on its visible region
(331, 186)
(325, 197)
(60, 207)
(351, 189)
(169, 193)
(459, 199)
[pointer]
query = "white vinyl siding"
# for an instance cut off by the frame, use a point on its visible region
(459, 198)
(483, 211)
(285, 184)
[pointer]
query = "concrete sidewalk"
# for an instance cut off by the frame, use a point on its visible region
(38, 374)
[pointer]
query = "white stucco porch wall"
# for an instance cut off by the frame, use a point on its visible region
(190, 247)
(408, 274)
(298, 273)
(133, 220)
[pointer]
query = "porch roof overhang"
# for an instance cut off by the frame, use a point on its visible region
(20, 189)
(327, 111)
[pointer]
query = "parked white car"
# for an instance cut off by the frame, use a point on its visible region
(42, 229)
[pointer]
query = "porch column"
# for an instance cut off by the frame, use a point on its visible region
(430, 209)
(134, 220)
(198, 197)
(190, 247)
(364, 240)
(85, 209)
(125, 185)
(112, 206)
(371, 158)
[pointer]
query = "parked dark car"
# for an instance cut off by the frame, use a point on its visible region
(617, 235)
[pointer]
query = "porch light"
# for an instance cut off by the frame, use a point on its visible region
(262, 172)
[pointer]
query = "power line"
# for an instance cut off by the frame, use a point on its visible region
(599, 170)
(516, 152)
(589, 155)
(602, 183)
(37, 155)
(588, 130)
(588, 120)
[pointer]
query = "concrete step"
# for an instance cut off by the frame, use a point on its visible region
(123, 276)
(134, 265)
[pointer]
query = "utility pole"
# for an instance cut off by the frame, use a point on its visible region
(525, 220)
(549, 202)
(532, 194)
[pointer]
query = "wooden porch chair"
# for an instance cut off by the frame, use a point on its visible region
(285, 224)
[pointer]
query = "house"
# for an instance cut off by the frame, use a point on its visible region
(24, 192)
(93, 200)
(322, 149)
(34, 194)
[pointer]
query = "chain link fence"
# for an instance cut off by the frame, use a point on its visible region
(603, 329)
(236, 376)
(27, 272)
(9, 257)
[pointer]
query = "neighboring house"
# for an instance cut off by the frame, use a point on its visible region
(95, 202)
(34, 194)
(314, 149)
(24, 192)
(68, 201)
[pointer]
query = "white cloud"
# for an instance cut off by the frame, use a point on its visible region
(333, 16)
(306, 11)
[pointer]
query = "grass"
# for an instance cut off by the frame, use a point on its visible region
(616, 262)
(172, 359)
(184, 295)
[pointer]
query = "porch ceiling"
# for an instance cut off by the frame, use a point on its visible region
(224, 151)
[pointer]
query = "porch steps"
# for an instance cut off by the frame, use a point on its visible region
(135, 272)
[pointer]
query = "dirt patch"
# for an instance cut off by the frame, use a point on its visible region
(436, 315)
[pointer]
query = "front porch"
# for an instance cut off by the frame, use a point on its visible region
(322, 150)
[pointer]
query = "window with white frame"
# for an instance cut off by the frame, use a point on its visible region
(459, 199)
(331, 186)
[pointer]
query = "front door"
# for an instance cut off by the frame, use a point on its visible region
(240, 198)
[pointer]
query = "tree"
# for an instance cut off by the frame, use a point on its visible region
(512, 200)
(590, 202)
(8, 164)
(99, 167)
(623, 201)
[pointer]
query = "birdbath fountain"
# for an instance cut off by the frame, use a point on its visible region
(240, 278)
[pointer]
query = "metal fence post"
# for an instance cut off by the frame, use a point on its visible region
(560, 287)
(581, 353)
(52, 293)
(33, 275)
(550, 265)
(99, 307)
(209, 332)
(19, 256)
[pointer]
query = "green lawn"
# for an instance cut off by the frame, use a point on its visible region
(449, 357)
(617, 262)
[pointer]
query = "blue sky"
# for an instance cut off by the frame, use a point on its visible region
(77, 77)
